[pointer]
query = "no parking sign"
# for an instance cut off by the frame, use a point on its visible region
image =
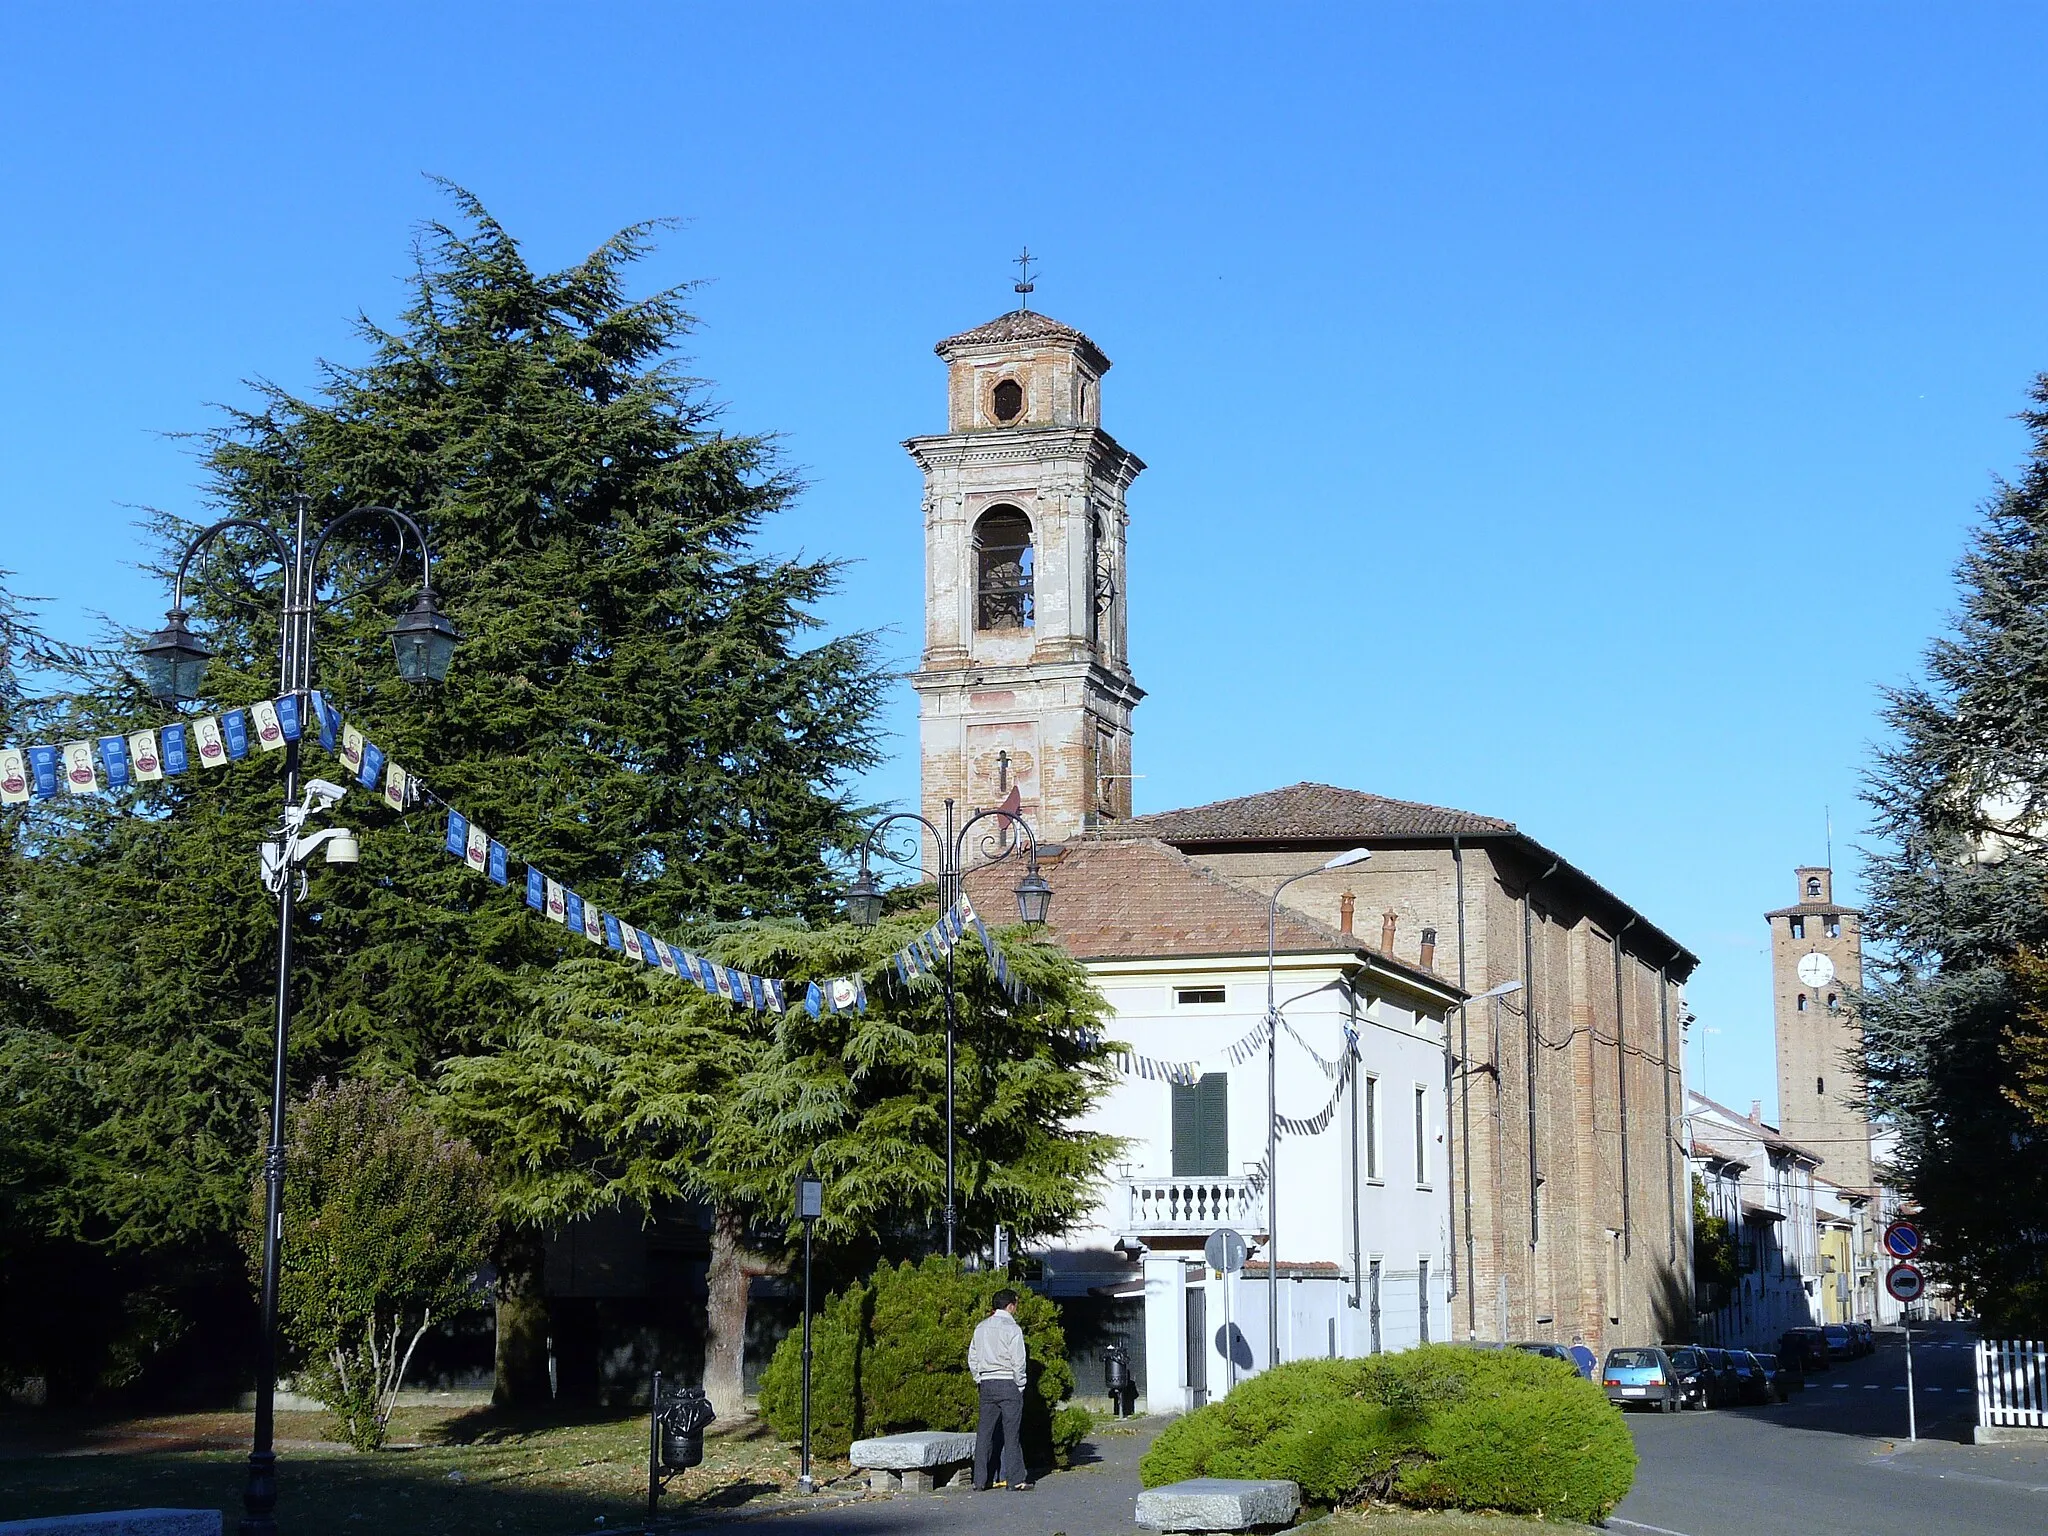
(1902, 1239)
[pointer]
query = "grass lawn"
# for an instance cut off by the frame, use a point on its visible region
(1412, 1522)
(472, 1473)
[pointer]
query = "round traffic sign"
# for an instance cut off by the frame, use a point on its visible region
(1224, 1250)
(1902, 1239)
(1905, 1282)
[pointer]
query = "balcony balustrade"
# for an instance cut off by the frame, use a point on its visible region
(1191, 1205)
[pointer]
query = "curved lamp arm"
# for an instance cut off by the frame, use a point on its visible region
(206, 536)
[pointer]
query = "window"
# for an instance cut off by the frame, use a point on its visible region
(1833, 924)
(1813, 887)
(1421, 1135)
(1798, 927)
(1834, 1003)
(1820, 1085)
(1372, 1127)
(1201, 1138)
(1008, 399)
(1422, 1300)
(1372, 1294)
(1004, 567)
(1197, 997)
(1800, 1006)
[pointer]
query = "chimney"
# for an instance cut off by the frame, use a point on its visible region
(1756, 1110)
(1387, 921)
(1429, 949)
(1347, 905)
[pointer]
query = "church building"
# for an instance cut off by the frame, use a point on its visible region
(1476, 1074)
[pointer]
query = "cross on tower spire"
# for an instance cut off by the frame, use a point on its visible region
(1024, 286)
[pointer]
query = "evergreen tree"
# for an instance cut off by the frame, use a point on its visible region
(623, 1087)
(635, 707)
(1958, 905)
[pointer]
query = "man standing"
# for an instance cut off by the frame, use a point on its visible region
(997, 1362)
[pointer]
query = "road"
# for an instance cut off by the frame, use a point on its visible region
(1836, 1458)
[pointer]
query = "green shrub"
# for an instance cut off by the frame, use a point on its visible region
(1440, 1426)
(890, 1353)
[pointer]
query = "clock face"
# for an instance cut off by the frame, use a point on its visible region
(1816, 969)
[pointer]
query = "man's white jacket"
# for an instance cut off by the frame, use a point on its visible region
(997, 1352)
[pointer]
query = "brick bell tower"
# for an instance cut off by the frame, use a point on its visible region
(1816, 963)
(1025, 681)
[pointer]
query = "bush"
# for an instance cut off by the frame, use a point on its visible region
(1440, 1426)
(889, 1353)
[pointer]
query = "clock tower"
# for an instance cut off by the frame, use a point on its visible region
(1025, 682)
(1816, 964)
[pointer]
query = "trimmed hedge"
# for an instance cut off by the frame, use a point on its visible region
(1437, 1427)
(890, 1353)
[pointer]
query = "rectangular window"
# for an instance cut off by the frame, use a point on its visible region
(1833, 923)
(1201, 1117)
(1798, 927)
(1197, 997)
(1422, 1299)
(1372, 1293)
(1372, 1127)
(1421, 1135)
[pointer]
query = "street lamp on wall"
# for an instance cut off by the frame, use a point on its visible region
(1034, 903)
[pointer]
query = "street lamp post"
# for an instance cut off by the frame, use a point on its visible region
(174, 662)
(1034, 900)
(810, 1205)
(1348, 857)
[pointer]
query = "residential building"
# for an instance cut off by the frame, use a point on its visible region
(1763, 1185)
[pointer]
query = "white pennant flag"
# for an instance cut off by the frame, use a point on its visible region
(558, 909)
(143, 755)
(351, 749)
(13, 776)
(593, 923)
(396, 782)
(269, 732)
(667, 957)
(631, 936)
(80, 777)
(478, 853)
(206, 731)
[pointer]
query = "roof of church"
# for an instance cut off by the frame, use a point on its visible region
(1136, 898)
(1021, 325)
(1312, 811)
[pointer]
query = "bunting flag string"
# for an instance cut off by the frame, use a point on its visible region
(44, 771)
(1238, 1052)
(1153, 1070)
(1331, 1069)
(924, 955)
(1319, 1122)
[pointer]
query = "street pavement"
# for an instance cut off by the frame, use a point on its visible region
(1836, 1458)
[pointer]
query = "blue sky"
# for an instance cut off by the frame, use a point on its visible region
(1566, 412)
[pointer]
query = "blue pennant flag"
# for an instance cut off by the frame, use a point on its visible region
(814, 1000)
(329, 718)
(572, 911)
(234, 730)
(287, 709)
(458, 835)
(612, 936)
(759, 992)
(42, 765)
(114, 755)
(495, 869)
(172, 740)
(536, 889)
(373, 766)
(776, 1000)
(988, 944)
(902, 970)
(648, 950)
(860, 995)
(707, 974)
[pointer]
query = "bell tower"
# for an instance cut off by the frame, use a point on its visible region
(1816, 967)
(1025, 680)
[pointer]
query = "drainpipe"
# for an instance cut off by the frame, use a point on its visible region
(1451, 1164)
(1465, 1103)
(1357, 1190)
(1530, 1034)
(1621, 1080)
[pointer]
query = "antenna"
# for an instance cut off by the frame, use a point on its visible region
(1830, 816)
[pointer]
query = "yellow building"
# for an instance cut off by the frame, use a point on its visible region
(1837, 1271)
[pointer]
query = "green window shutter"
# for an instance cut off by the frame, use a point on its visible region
(1187, 1151)
(1214, 1089)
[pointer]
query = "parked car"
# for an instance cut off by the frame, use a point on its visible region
(1550, 1351)
(1721, 1384)
(1751, 1384)
(1641, 1377)
(1841, 1343)
(1780, 1377)
(1866, 1337)
(1807, 1347)
(1694, 1377)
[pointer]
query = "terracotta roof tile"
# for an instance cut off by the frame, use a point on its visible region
(1312, 811)
(1017, 325)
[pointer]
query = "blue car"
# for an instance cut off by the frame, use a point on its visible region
(1642, 1377)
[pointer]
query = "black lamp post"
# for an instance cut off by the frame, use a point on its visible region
(810, 1205)
(174, 662)
(1034, 901)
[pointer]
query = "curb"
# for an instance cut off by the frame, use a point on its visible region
(762, 1511)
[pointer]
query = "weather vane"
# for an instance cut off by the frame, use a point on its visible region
(1024, 285)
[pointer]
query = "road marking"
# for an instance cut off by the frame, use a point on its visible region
(1637, 1525)
(1841, 1386)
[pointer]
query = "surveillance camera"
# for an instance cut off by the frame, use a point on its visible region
(323, 793)
(342, 847)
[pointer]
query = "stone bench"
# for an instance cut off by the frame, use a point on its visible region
(914, 1462)
(120, 1522)
(1219, 1504)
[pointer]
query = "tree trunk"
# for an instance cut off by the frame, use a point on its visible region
(522, 1360)
(732, 1269)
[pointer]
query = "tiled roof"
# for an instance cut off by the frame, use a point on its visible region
(1019, 325)
(1137, 898)
(1313, 811)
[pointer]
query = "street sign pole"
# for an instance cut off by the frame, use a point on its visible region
(1912, 1416)
(1224, 1254)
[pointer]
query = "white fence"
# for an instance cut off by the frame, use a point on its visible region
(2012, 1382)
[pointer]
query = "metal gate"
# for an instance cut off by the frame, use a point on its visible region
(1198, 1346)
